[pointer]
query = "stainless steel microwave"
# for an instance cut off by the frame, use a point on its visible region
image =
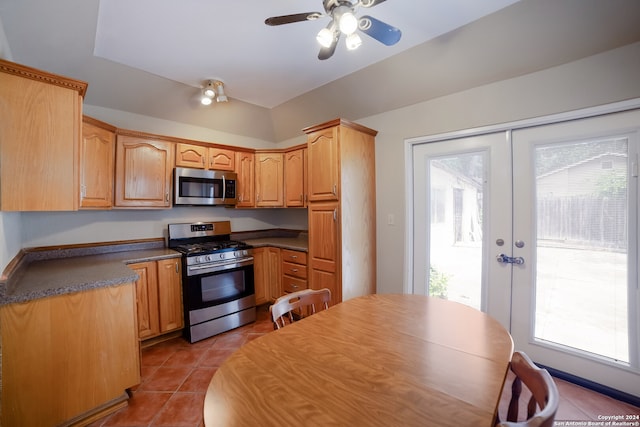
(195, 187)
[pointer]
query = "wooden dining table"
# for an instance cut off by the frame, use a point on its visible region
(376, 360)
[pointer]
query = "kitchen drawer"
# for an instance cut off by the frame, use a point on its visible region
(292, 284)
(294, 256)
(295, 270)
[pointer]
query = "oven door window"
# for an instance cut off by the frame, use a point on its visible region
(223, 287)
(200, 188)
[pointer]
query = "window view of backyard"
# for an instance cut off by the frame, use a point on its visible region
(581, 249)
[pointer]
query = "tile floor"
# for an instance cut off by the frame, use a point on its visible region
(175, 376)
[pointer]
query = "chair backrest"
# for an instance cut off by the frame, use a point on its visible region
(544, 394)
(298, 304)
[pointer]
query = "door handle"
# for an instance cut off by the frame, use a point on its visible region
(504, 259)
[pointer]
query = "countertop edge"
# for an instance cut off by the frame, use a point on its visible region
(49, 274)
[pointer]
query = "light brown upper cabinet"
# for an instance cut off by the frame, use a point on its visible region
(201, 157)
(144, 167)
(295, 188)
(323, 164)
(40, 125)
(342, 209)
(269, 179)
(245, 188)
(97, 158)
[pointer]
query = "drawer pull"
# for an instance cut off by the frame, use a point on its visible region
(294, 270)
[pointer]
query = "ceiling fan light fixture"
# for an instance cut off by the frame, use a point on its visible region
(353, 41)
(347, 22)
(325, 37)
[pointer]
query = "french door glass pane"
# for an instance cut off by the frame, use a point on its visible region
(582, 237)
(456, 201)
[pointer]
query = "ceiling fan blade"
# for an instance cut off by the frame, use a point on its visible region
(327, 52)
(288, 19)
(370, 3)
(384, 33)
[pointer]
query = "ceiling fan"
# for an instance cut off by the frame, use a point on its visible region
(343, 22)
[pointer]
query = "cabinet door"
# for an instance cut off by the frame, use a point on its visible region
(40, 129)
(269, 179)
(143, 172)
(274, 278)
(294, 178)
(66, 355)
(97, 154)
(323, 165)
(324, 248)
(170, 295)
(147, 299)
(260, 273)
(246, 179)
(191, 156)
(221, 159)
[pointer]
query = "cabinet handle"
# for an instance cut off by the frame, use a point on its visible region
(294, 270)
(335, 214)
(177, 268)
(294, 286)
(166, 196)
(257, 197)
(294, 256)
(334, 191)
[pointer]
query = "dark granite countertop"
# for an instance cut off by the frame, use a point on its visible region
(62, 271)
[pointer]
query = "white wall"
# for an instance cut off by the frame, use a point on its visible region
(601, 79)
(59, 228)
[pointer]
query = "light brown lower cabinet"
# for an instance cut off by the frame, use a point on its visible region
(68, 358)
(294, 270)
(158, 297)
(267, 276)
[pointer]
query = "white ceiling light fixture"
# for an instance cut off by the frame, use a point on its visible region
(222, 97)
(211, 88)
(327, 35)
(353, 41)
(347, 21)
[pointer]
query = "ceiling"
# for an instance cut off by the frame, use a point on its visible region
(151, 57)
(191, 41)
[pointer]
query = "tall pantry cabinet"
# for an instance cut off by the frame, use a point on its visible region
(341, 209)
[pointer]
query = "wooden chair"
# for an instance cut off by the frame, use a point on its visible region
(297, 305)
(544, 394)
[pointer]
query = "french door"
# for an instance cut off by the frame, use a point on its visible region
(538, 227)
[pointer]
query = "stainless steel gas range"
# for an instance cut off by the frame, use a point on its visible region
(218, 290)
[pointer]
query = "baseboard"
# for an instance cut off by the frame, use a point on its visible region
(591, 385)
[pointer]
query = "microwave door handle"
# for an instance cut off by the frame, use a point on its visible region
(224, 189)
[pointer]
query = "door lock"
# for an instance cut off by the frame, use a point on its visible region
(502, 258)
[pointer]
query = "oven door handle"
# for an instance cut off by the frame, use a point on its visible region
(219, 266)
